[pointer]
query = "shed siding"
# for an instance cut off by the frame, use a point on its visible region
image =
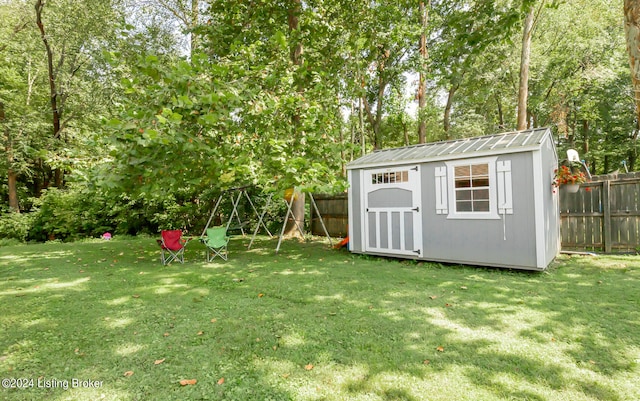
(551, 205)
(483, 242)
(356, 213)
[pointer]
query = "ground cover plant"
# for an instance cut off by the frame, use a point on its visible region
(310, 323)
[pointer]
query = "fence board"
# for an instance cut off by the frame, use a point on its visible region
(604, 215)
(334, 212)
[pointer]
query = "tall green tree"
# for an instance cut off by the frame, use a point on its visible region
(632, 31)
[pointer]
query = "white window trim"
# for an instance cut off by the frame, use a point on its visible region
(451, 187)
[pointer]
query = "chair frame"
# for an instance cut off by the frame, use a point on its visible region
(169, 255)
(214, 251)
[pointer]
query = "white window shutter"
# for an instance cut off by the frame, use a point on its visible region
(441, 190)
(505, 192)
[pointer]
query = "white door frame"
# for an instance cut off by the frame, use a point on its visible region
(411, 183)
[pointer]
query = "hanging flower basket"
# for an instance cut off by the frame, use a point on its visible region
(571, 188)
(569, 178)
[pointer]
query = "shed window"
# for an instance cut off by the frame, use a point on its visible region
(390, 177)
(472, 188)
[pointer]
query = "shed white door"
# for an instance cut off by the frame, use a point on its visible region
(392, 205)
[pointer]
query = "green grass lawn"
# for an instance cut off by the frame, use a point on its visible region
(311, 323)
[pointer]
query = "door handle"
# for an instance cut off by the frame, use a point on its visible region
(416, 209)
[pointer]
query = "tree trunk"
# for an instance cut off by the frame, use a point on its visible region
(633, 156)
(12, 177)
(500, 112)
(376, 120)
(298, 211)
(585, 137)
(632, 33)
(363, 147)
(446, 121)
(525, 57)
(55, 106)
(422, 86)
(297, 208)
(195, 12)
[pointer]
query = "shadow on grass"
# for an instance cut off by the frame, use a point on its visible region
(312, 323)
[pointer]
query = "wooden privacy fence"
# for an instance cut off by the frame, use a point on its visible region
(334, 212)
(604, 215)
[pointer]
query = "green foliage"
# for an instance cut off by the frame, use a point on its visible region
(66, 215)
(15, 225)
(221, 130)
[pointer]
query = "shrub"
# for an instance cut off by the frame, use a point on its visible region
(15, 225)
(69, 214)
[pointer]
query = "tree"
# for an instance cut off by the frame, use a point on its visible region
(422, 84)
(525, 59)
(632, 31)
(468, 32)
(19, 76)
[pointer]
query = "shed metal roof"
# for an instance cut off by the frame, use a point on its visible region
(508, 142)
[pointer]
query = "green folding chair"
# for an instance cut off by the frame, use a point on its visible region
(216, 242)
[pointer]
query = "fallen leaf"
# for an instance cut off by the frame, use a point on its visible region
(260, 295)
(214, 320)
(158, 361)
(448, 305)
(440, 349)
(136, 296)
(464, 287)
(166, 334)
(200, 333)
(433, 297)
(308, 367)
(221, 381)
(189, 382)
(426, 362)
(286, 375)
(128, 373)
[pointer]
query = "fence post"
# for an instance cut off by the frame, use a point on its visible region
(606, 224)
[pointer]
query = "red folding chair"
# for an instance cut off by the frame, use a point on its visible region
(172, 245)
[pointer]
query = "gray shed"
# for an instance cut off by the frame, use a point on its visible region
(485, 201)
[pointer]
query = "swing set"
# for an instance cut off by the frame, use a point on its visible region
(238, 193)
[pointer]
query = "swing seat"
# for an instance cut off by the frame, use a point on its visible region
(238, 228)
(216, 242)
(172, 245)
